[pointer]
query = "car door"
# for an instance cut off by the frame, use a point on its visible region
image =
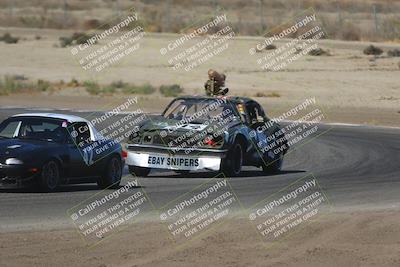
(83, 159)
(77, 166)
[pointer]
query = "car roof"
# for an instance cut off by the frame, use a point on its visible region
(69, 118)
(235, 99)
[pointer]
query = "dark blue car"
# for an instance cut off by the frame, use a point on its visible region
(207, 133)
(38, 149)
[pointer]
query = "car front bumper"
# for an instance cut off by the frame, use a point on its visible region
(16, 176)
(156, 157)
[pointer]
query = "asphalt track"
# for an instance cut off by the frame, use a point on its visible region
(358, 167)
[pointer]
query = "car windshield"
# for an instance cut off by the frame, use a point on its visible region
(46, 129)
(199, 110)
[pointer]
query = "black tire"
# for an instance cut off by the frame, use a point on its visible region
(49, 176)
(273, 167)
(111, 177)
(139, 171)
(232, 164)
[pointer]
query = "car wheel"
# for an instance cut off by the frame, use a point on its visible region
(232, 164)
(50, 176)
(139, 171)
(274, 166)
(112, 175)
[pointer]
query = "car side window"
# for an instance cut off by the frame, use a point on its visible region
(259, 110)
(251, 113)
(255, 113)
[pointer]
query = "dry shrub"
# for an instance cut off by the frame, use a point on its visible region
(319, 52)
(350, 33)
(391, 28)
(394, 53)
(268, 47)
(9, 39)
(372, 50)
(91, 24)
(272, 94)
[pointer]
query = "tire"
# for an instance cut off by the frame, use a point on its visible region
(49, 176)
(232, 164)
(275, 166)
(111, 177)
(139, 171)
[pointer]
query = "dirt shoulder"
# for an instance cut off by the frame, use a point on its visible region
(338, 239)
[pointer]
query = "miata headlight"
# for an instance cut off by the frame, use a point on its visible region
(14, 161)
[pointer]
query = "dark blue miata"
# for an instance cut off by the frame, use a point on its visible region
(38, 149)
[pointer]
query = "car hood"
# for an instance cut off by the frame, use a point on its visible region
(170, 125)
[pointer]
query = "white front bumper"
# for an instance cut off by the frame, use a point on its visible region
(165, 161)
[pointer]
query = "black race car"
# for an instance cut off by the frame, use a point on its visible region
(207, 133)
(52, 149)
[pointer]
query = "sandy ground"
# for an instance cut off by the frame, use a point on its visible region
(338, 239)
(346, 85)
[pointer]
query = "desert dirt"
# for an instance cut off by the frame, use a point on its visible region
(346, 86)
(369, 238)
(349, 86)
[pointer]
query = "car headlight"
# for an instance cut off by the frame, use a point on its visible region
(14, 161)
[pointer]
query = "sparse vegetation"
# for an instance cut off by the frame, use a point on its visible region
(268, 47)
(171, 90)
(394, 53)
(92, 87)
(9, 39)
(43, 85)
(118, 84)
(65, 41)
(10, 84)
(341, 19)
(73, 83)
(319, 52)
(350, 33)
(372, 50)
(263, 94)
(145, 89)
(76, 38)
